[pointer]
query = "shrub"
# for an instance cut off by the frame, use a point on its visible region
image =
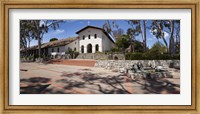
(150, 56)
(134, 56)
(76, 54)
(114, 49)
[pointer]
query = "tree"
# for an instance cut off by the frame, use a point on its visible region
(177, 36)
(53, 39)
(25, 35)
(161, 27)
(138, 46)
(171, 40)
(109, 27)
(158, 47)
(123, 42)
(157, 29)
(40, 27)
(118, 33)
(139, 27)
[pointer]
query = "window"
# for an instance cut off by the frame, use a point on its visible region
(83, 37)
(88, 36)
(58, 49)
(75, 42)
(52, 50)
(95, 35)
(74, 49)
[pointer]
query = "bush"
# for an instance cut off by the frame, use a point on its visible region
(76, 54)
(150, 56)
(134, 56)
(114, 49)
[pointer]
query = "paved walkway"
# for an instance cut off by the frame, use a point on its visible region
(38, 78)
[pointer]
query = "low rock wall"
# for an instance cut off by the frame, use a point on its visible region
(127, 64)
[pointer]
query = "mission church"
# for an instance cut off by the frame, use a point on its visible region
(90, 39)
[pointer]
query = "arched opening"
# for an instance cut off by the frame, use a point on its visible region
(89, 48)
(82, 49)
(96, 47)
(115, 58)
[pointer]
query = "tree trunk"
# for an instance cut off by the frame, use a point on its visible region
(39, 47)
(171, 40)
(144, 40)
(165, 43)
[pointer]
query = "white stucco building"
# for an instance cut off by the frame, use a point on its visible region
(90, 39)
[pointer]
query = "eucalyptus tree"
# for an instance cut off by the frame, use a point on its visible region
(109, 26)
(138, 27)
(161, 27)
(177, 36)
(25, 35)
(40, 27)
(157, 29)
(118, 33)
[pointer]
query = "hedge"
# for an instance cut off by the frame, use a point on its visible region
(151, 56)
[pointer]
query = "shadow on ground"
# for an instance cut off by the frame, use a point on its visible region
(34, 85)
(91, 83)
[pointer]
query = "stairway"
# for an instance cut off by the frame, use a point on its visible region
(86, 56)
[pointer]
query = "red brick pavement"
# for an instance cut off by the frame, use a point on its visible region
(87, 63)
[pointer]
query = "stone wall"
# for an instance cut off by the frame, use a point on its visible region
(116, 65)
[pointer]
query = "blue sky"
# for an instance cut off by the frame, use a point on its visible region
(70, 27)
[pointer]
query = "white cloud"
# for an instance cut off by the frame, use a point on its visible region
(166, 34)
(58, 31)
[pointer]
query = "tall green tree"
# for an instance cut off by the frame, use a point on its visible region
(109, 26)
(118, 33)
(122, 42)
(158, 47)
(40, 27)
(172, 27)
(139, 27)
(171, 40)
(177, 36)
(26, 35)
(157, 29)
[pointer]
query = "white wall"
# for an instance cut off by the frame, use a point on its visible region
(72, 45)
(61, 49)
(92, 40)
(107, 43)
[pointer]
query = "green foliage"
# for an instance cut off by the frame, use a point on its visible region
(138, 47)
(53, 39)
(158, 48)
(76, 54)
(114, 49)
(157, 52)
(150, 56)
(123, 42)
(134, 56)
(72, 53)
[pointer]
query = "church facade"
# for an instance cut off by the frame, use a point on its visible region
(93, 39)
